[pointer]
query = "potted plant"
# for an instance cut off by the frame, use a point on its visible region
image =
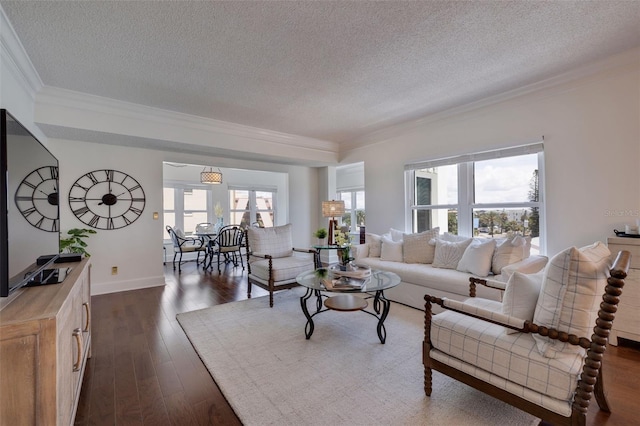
(75, 243)
(321, 234)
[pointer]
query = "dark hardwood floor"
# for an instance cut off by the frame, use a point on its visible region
(144, 371)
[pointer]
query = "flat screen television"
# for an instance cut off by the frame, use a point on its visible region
(29, 210)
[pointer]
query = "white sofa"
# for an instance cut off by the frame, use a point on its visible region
(418, 279)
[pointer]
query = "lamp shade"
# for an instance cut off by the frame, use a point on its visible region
(211, 177)
(332, 208)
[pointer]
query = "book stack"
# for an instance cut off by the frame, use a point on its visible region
(344, 283)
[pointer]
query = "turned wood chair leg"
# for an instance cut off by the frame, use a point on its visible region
(598, 391)
(271, 293)
(426, 347)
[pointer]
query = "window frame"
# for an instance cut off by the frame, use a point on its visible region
(465, 175)
(178, 206)
(353, 212)
(253, 205)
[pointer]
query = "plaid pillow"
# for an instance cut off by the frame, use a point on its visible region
(572, 288)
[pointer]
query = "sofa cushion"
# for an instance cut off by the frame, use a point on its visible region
(476, 258)
(416, 247)
(572, 288)
(449, 253)
(512, 357)
(391, 250)
(396, 235)
(510, 251)
(521, 296)
(375, 244)
(276, 241)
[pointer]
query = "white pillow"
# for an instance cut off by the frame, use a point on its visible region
(453, 237)
(416, 247)
(374, 242)
(521, 296)
(510, 251)
(448, 253)
(391, 250)
(477, 257)
(396, 235)
(572, 288)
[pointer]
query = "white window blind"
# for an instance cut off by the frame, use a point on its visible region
(530, 148)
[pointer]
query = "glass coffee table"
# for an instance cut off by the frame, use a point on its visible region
(318, 284)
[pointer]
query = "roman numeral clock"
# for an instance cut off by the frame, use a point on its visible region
(37, 198)
(106, 199)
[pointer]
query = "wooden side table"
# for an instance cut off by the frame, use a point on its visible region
(627, 322)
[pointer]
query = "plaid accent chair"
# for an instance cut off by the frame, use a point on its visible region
(271, 260)
(532, 350)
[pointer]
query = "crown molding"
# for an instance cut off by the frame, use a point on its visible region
(106, 107)
(16, 59)
(571, 79)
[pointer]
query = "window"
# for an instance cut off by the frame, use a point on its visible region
(250, 206)
(489, 194)
(185, 207)
(354, 213)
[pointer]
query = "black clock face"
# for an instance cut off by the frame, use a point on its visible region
(106, 199)
(37, 198)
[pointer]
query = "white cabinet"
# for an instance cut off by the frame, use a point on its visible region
(627, 321)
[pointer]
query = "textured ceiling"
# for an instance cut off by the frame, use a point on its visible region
(327, 70)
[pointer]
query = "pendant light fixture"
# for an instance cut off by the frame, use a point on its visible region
(211, 177)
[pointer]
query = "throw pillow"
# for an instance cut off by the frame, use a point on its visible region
(521, 296)
(391, 250)
(448, 253)
(416, 247)
(453, 237)
(572, 288)
(396, 235)
(512, 250)
(275, 241)
(476, 258)
(375, 243)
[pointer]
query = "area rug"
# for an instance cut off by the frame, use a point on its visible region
(343, 375)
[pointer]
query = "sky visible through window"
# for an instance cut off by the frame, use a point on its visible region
(501, 180)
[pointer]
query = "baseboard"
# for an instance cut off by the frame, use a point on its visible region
(115, 287)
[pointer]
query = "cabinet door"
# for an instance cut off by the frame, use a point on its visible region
(70, 347)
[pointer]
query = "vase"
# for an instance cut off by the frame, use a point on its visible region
(219, 224)
(344, 253)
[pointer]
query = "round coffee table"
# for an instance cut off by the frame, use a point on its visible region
(345, 299)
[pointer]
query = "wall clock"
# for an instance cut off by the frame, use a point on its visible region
(37, 198)
(106, 199)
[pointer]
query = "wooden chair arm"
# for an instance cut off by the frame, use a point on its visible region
(606, 314)
(473, 282)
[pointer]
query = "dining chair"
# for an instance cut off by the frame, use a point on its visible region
(182, 244)
(228, 242)
(206, 231)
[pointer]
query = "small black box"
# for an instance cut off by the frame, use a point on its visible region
(44, 259)
(68, 257)
(62, 258)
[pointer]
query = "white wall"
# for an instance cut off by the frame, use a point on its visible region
(591, 128)
(135, 249)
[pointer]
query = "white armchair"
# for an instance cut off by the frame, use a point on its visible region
(532, 349)
(271, 260)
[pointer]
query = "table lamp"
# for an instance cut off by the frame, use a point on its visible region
(331, 209)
